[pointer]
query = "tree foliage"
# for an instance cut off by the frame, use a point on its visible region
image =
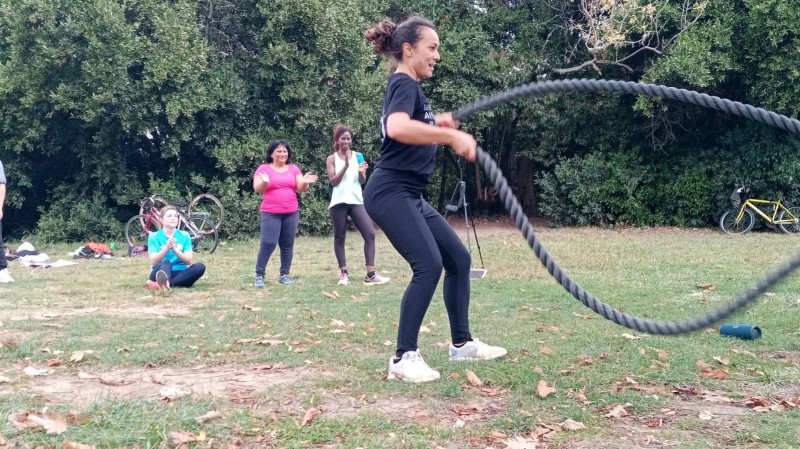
(105, 101)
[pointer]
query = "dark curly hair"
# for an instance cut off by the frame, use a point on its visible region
(271, 149)
(387, 39)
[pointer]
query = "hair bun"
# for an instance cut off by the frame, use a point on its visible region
(380, 37)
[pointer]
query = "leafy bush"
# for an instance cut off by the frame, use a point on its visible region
(72, 218)
(598, 189)
(314, 216)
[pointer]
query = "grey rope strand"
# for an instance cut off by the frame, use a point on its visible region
(521, 221)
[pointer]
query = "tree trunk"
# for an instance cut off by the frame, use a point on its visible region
(526, 192)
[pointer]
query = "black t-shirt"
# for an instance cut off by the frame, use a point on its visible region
(403, 94)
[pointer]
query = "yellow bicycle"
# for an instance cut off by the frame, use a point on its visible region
(742, 216)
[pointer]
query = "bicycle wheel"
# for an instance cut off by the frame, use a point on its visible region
(790, 228)
(730, 225)
(205, 236)
(135, 232)
(152, 202)
(208, 206)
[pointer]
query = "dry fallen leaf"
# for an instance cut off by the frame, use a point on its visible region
(213, 414)
(424, 330)
(82, 375)
(543, 389)
(572, 425)
(519, 442)
(618, 411)
(179, 438)
(705, 415)
(723, 360)
(51, 422)
(111, 380)
(4, 380)
(171, 393)
(473, 379)
(311, 414)
(78, 356)
(74, 445)
(33, 372)
(631, 337)
(329, 295)
(545, 350)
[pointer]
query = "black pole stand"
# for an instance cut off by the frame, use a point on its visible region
(453, 206)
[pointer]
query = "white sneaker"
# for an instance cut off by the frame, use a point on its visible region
(476, 350)
(344, 279)
(411, 368)
(375, 279)
(5, 276)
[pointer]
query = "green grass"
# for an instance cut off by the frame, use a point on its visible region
(50, 313)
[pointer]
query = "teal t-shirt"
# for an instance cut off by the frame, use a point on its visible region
(183, 242)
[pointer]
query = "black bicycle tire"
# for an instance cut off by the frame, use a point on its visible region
(794, 211)
(206, 234)
(735, 211)
(214, 200)
(138, 220)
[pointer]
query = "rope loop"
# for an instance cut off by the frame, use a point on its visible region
(514, 208)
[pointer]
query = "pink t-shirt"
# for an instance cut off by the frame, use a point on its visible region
(281, 194)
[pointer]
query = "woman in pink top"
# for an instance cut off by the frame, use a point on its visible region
(278, 180)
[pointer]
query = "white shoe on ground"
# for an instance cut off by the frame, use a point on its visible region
(411, 368)
(375, 279)
(5, 276)
(476, 350)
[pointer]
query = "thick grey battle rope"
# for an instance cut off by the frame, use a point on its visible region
(515, 210)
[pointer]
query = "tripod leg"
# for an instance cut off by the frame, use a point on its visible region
(477, 243)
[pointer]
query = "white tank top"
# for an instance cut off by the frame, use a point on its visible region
(348, 191)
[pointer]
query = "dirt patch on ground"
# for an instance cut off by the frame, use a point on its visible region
(137, 311)
(79, 390)
(419, 411)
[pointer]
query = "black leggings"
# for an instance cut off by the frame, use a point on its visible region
(422, 236)
(277, 230)
(3, 261)
(182, 278)
(364, 225)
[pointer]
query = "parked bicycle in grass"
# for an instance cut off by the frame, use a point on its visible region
(204, 204)
(742, 216)
(201, 219)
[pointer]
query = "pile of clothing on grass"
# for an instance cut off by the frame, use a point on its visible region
(94, 250)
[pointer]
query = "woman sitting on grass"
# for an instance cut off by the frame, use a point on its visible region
(170, 253)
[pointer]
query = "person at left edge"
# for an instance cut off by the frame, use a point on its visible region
(278, 180)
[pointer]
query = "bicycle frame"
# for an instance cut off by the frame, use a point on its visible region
(777, 206)
(194, 233)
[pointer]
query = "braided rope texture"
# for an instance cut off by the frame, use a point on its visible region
(512, 205)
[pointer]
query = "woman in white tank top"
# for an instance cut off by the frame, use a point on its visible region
(346, 172)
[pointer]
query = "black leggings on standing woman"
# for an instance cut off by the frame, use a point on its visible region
(277, 230)
(424, 238)
(363, 223)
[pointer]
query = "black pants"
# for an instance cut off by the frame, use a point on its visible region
(3, 261)
(277, 230)
(424, 238)
(182, 278)
(364, 225)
